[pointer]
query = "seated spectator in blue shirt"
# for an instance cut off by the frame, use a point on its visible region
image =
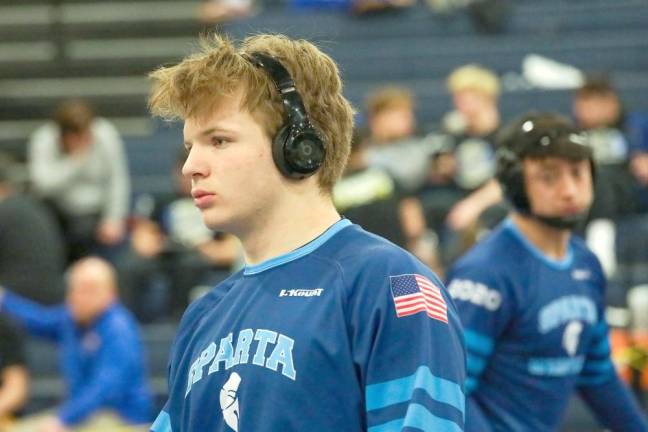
(102, 359)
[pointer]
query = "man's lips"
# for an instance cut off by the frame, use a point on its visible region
(202, 198)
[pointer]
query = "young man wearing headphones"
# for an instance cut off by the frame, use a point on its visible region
(327, 327)
(531, 295)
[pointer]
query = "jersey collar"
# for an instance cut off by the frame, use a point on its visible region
(561, 264)
(299, 252)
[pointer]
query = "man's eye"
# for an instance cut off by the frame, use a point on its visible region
(548, 177)
(219, 141)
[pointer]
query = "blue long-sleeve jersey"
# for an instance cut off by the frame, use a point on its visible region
(535, 332)
(312, 341)
(103, 364)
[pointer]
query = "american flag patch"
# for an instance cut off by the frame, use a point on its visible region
(415, 293)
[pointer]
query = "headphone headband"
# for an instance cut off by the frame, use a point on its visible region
(295, 110)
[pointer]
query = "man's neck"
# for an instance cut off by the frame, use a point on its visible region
(551, 241)
(292, 224)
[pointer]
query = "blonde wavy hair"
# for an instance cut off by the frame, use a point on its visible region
(194, 88)
(474, 77)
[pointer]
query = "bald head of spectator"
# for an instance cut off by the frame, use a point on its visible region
(390, 113)
(92, 289)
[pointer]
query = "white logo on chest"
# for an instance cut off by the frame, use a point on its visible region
(229, 401)
(301, 292)
(581, 274)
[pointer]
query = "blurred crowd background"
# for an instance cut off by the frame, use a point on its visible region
(84, 170)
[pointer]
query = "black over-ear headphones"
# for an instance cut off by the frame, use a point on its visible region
(298, 148)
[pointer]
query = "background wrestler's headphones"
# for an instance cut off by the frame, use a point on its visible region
(298, 148)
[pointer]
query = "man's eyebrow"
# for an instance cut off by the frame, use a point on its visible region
(207, 132)
(202, 134)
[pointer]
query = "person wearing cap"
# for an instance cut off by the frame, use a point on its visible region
(531, 295)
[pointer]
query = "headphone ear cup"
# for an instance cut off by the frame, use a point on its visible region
(511, 178)
(298, 151)
(278, 151)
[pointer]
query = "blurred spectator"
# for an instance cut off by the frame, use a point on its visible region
(369, 197)
(473, 123)
(216, 11)
(438, 195)
(32, 255)
(77, 164)
(356, 7)
(102, 358)
(14, 377)
(637, 125)
(371, 7)
(598, 110)
(472, 127)
(487, 16)
(393, 144)
(171, 252)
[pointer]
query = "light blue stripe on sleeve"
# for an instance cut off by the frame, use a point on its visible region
(595, 380)
(601, 347)
(162, 423)
(600, 366)
(478, 343)
(418, 417)
(600, 329)
(401, 389)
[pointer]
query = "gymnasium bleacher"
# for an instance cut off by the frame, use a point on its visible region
(101, 51)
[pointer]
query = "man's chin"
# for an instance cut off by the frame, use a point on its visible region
(215, 222)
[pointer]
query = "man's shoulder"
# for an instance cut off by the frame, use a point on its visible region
(356, 248)
(103, 125)
(365, 259)
(44, 134)
(584, 256)
(196, 309)
(119, 320)
(580, 248)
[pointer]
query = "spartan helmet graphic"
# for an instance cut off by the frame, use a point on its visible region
(229, 402)
(571, 337)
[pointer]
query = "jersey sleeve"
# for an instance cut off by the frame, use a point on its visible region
(599, 384)
(163, 421)
(597, 366)
(485, 310)
(408, 351)
(169, 416)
